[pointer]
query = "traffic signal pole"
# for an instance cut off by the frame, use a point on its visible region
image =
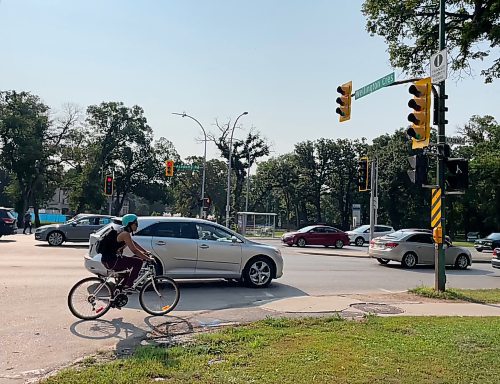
(439, 271)
(373, 196)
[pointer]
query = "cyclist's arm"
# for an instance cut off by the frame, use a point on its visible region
(125, 236)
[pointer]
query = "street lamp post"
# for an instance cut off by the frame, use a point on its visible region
(248, 182)
(204, 162)
(228, 192)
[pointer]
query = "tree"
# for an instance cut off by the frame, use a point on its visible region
(251, 148)
(24, 126)
(411, 30)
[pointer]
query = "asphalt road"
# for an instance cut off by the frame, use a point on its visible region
(38, 333)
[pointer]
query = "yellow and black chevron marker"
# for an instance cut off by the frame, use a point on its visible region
(436, 207)
(437, 231)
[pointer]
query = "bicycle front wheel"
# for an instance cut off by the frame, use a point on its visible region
(90, 298)
(159, 295)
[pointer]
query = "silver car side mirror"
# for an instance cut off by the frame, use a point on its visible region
(234, 239)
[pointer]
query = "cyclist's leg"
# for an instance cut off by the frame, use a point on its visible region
(131, 263)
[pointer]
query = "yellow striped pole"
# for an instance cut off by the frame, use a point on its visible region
(436, 207)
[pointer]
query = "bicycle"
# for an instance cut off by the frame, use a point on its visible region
(92, 297)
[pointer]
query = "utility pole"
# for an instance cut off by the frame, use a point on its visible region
(373, 197)
(439, 271)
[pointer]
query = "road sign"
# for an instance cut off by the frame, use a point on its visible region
(455, 140)
(439, 66)
(187, 167)
(436, 207)
(375, 86)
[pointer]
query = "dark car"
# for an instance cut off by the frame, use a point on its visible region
(78, 229)
(8, 222)
(495, 261)
(490, 242)
(316, 235)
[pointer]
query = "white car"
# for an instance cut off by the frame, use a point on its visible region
(361, 235)
(187, 248)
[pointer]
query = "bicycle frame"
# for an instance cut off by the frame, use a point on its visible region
(149, 273)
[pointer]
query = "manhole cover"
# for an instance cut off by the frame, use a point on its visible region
(379, 309)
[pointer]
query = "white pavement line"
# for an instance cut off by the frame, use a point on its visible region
(389, 291)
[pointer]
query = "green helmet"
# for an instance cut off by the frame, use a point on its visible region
(127, 219)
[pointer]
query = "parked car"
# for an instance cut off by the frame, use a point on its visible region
(490, 242)
(495, 261)
(316, 235)
(78, 229)
(472, 236)
(415, 247)
(8, 221)
(361, 235)
(187, 248)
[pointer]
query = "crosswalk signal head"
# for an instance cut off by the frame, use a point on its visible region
(363, 174)
(344, 101)
(457, 177)
(108, 185)
(418, 171)
(420, 118)
(169, 168)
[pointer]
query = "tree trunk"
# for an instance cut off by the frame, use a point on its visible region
(36, 209)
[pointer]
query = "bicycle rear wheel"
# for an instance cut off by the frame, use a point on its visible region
(159, 295)
(90, 298)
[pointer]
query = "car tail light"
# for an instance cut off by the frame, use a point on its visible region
(8, 220)
(495, 252)
(391, 245)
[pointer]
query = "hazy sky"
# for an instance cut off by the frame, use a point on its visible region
(280, 60)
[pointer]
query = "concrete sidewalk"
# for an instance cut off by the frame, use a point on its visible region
(390, 305)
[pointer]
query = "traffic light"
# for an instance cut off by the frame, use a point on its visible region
(458, 174)
(108, 185)
(418, 171)
(169, 168)
(344, 101)
(420, 118)
(206, 203)
(363, 174)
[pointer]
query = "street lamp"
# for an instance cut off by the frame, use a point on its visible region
(228, 192)
(204, 162)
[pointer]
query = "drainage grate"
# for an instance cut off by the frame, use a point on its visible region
(376, 308)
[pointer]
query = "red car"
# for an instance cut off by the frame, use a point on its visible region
(316, 235)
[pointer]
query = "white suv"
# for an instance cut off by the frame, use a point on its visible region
(361, 235)
(187, 248)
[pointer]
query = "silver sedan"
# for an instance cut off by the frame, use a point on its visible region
(412, 247)
(187, 248)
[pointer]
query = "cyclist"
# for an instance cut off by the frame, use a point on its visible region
(114, 258)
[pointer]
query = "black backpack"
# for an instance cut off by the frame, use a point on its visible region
(108, 245)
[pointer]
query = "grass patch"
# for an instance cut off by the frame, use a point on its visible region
(326, 350)
(483, 296)
(463, 244)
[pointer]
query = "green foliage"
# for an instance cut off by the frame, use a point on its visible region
(317, 350)
(411, 30)
(485, 296)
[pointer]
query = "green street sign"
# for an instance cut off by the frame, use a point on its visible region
(375, 86)
(187, 167)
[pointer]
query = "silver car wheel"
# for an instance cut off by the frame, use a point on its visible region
(409, 260)
(462, 262)
(55, 238)
(259, 273)
(359, 241)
